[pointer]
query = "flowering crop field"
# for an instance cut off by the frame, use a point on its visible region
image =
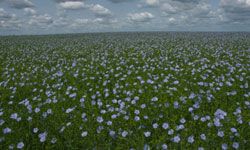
(125, 91)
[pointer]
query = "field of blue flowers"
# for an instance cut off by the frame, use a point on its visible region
(125, 91)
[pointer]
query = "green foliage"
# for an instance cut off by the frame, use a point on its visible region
(62, 84)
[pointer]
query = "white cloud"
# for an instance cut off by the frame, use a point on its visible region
(99, 10)
(72, 5)
(242, 3)
(82, 21)
(4, 14)
(59, 1)
(41, 21)
(177, 6)
(152, 2)
(98, 20)
(176, 14)
(92, 24)
(236, 11)
(140, 17)
(168, 8)
(20, 4)
(171, 20)
(30, 11)
(62, 22)
(79, 23)
(8, 20)
(105, 21)
(120, 1)
(189, 13)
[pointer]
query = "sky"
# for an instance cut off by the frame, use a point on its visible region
(80, 16)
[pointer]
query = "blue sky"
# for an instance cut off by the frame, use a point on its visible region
(78, 16)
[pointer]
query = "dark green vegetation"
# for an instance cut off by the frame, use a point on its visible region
(125, 90)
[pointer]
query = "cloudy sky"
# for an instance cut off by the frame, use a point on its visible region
(77, 16)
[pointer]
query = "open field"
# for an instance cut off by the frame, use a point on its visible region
(125, 91)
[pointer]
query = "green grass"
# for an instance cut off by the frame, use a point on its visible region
(122, 65)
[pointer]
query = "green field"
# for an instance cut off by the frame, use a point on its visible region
(125, 91)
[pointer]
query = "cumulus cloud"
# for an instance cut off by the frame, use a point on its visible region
(41, 21)
(62, 22)
(140, 17)
(100, 11)
(236, 10)
(245, 3)
(8, 20)
(29, 11)
(105, 21)
(169, 8)
(20, 4)
(177, 6)
(191, 12)
(59, 1)
(93, 24)
(81, 21)
(188, 1)
(4, 15)
(120, 1)
(175, 14)
(152, 2)
(72, 5)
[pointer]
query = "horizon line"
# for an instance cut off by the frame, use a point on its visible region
(103, 32)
